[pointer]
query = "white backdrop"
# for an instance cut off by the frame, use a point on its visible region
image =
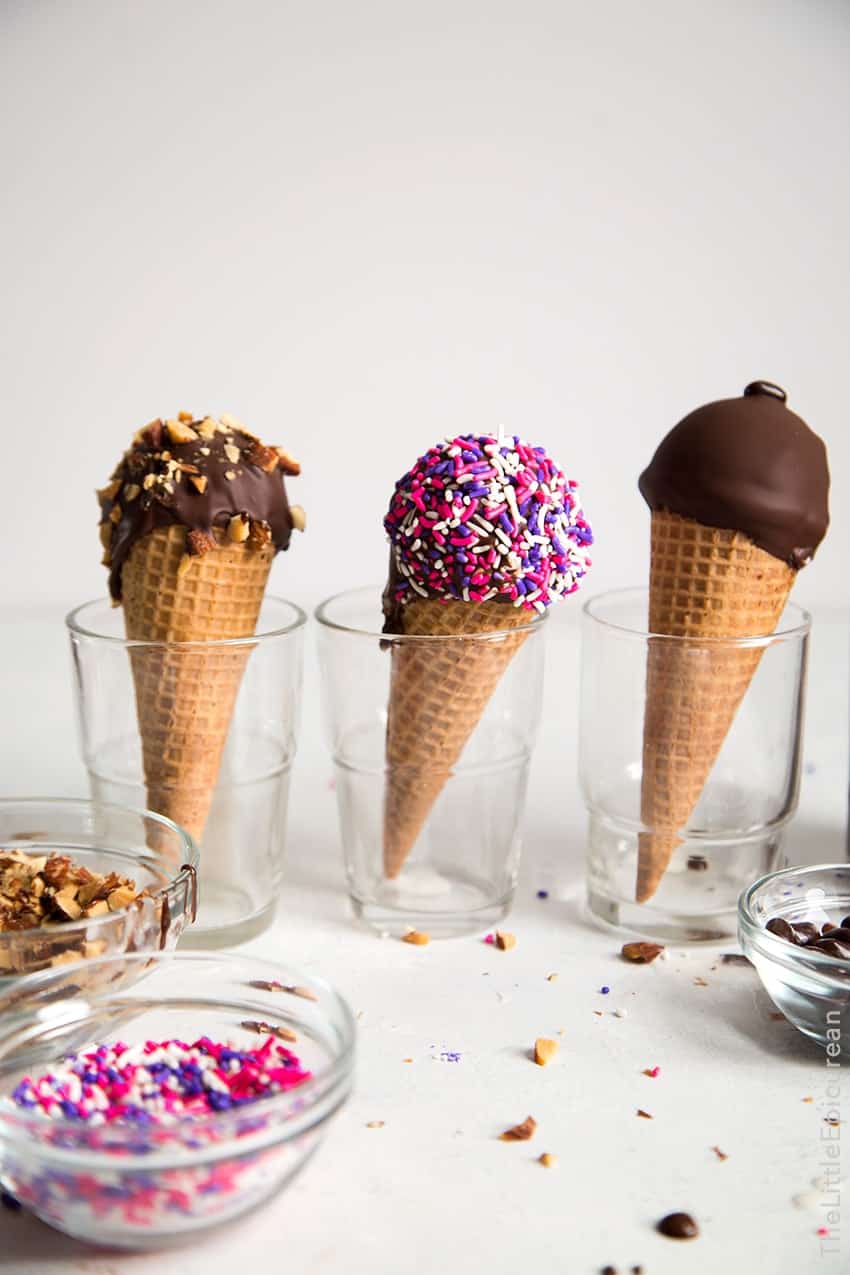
(361, 225)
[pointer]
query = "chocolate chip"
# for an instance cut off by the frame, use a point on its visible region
(827, 926)
(735, 958)
(805, 931)
(845, 924)
(697, 863)
(608, 1270)
(678, 1226)
(779, 926)
(840, 934)
(830, 948)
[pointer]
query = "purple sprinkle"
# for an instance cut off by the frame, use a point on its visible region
(543, 894)
(605, 990)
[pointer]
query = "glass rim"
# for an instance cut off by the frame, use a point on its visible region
(798, 628)
(73, 622)
(320, 613)
(189, 859)
(318, 1085)
(773, 943)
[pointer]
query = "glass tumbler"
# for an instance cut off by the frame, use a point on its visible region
(740, 792)
(430, 818)
(241, 697)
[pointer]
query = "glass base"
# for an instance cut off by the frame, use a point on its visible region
(216, 927)
(653, 923)
(396, 922)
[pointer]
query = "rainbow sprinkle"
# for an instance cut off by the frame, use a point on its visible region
(479, 518)
(159, 1082)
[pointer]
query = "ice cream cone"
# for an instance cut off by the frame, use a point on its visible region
(438, 693)
(705, 583)
(185, 695)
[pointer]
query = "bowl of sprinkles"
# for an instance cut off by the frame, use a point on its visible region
(189, 1092)
(83, 879)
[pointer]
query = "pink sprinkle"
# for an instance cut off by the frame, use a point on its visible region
(823, 1230)
(654, 1071)
(490, 938)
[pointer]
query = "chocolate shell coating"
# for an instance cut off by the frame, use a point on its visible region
(746, 464)
(160, 476)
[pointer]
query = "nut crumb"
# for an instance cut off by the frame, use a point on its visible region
(199, 482)
(547, 1160)
(298, 516)
(505, 941)
(131, 491)
(417, 937)
(520, 1132)
(375, 1124)
(644, 1115)
(641, 953)
(721, 1155)
(551, 978)
(232, 453)
(544, 1050)
(238, 528)
(290, 466)
(230, 474)
(179, 432)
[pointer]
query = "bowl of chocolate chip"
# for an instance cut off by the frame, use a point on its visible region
(83, 879)
(794, 926)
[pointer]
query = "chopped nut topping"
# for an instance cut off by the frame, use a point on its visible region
(110, 491)
(199, 482)
(290, 466)
(199, 543)
(43, 890)
(131, 491)
(115, 514)
(263, 457)
(229, 475)
(298, 516)
(180, 432)
(520, 1132)
(106, 534)
(231, 422)
(260, 535)
(232, 453)
(417, 937)
(544, 1050)
(505, 941)
(207, 429)
(149, 480)
(238, 528)
(187, 417)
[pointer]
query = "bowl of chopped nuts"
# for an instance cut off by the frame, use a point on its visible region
(83, 879)
(169, 1101)
(794, 926)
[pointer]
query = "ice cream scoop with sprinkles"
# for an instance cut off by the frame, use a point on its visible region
(159, 1082)
(482, 518)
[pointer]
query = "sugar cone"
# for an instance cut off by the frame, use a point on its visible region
(185, 696)
(438, 691)
(704, 583)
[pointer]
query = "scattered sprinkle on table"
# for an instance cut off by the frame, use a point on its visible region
(520, 1132)
(652, 1072)
(620, 1013)
(417, 937)
(544, 1050)
(159, 1082)
(543, 894)
(823, 1231)
(605, 990)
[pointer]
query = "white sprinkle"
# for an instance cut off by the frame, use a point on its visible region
(620, 1013)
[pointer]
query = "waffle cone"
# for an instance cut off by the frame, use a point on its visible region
(185, 697)
(438, 692)
(705, 583)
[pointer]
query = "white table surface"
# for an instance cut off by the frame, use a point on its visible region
(433, 1190)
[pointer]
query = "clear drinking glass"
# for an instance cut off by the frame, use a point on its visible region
(735, 830)
(243, 840)
(460, 874)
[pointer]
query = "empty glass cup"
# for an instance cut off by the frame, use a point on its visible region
(251, 687)
(431, 821)
(744, 792)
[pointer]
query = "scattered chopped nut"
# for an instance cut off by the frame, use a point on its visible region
(417, 937)
(505, 941)
(375, 1124)
(544, 1050)
(120, 898)
(721, 1155)
(644, 1114)
(551, 978)
(520, 1132)
(269, 1029)
(547, 1160)
(290, 466)
(179, 432)
(231, 422)
(238, 528)
(641, 953)
(700, 982)
(298, 516)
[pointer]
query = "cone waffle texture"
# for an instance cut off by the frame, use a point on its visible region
(438, 692)
(705, 583)
(185, 697)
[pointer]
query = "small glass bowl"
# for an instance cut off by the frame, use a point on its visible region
(151, 1186)
(811, 988)
(148, 848)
